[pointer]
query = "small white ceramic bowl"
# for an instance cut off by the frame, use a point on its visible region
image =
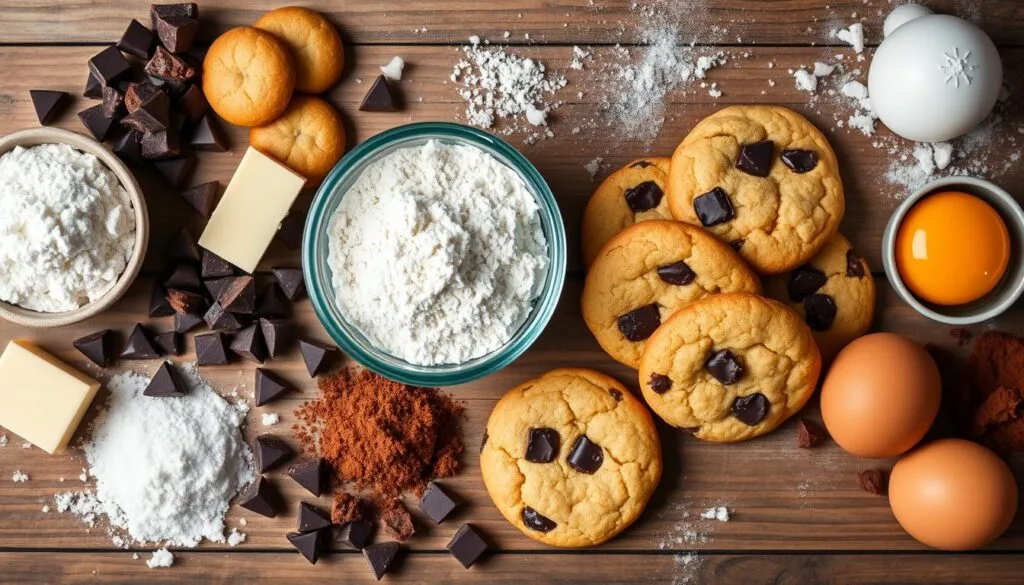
(36, 136)
(1009, 288)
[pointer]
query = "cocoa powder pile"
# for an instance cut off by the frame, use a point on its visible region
(381, 436)
(994, 391)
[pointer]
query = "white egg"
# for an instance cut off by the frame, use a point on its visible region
(934, 78)
(902, 15)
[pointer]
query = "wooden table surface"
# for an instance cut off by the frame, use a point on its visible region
(798, 515)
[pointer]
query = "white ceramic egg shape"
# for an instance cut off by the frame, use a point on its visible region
(934, 78)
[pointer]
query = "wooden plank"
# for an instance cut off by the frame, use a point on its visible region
(726, 22)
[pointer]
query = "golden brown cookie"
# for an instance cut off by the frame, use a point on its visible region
(314, 42)
(308, 138)
(570, 458)
(649, 271)
(730, 367)
(630, 195)
(248, 76)
(834, 293)
(762, 178)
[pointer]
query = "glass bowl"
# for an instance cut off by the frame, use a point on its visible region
(318, 273)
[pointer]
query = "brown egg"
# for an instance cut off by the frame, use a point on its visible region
(953, 494)
(881, 395)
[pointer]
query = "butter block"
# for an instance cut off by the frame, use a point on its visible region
(255, 202)
(42, 399)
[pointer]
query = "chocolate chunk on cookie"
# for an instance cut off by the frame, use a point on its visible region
(542, 445)
(756, 159)
(713, 207)
(800, 161)
(819, 312)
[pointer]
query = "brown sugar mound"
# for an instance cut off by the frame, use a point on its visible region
(994, 383)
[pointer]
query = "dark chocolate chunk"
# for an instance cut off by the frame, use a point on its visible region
(183, 301)
(639, 324)
(176, 32)
(678, 273)
(137, 41)
(183, 323)
(201, 198)
(109, 66)
(436, 503)
(291, 282)
(96, 122)
(317, 356)
(193, 103)
(175, 170)
(129, 148)
(799, 161)
(166, 383)
(248, 343)
(262, 498)
(214, 266)
(308, 544)
(93, 87)
(644, 197)
(725, 366)
(616, 394)
(174, 89)
(179, 10)
(309, 474)
(713, 207)
(290, 232)
(239, 296)
(641, 164)
(750, 409)
(98, 347)
(468, 545)
(268, 387)
(140, 344)
(140, 96)
(215, 286)
(542, 445)
(660, 383)
(381, 557)
(805, 281)
(169, 343)
(819, 312)
(208, 136)
(113, 102)
(220, 320)
(271, 302)
(355, 534)
(278, 335)
(854, 264)
(378, 98)
(158, 305)
(48, 104)
(809, 433)
(184, 277)
(211, 349)
(182, 248)
(312, 518)
(168, 66)
(756, 159)
(586, 456)
(534, 520)
(159, 145)
(270, 452)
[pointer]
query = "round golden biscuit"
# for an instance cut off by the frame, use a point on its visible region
(630, 195)
(308, 138)
(571, 458)
(248, 77)
(314, 42)
(777, 221)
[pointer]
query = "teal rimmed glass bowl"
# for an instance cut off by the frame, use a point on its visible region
(318, 273)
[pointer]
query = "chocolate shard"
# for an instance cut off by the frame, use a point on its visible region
(381, 557)
(278, 335)
(725, 367)
(215, 286)
(248, 343)
(378, 98)
(308, 544)
(166, 383)
(819, 312)
(113, 102)
(312, 518)
(677, 273)
(93, 87)
(239, 296)
(751, 409)
(542, 445)
(159, 145)
(129, 148)
(140, 345)
(355, 535)
(213, 266)
(186, 302)
(211, 349)
(158, 305)
(193, 104)
(268, 387)
(183, 277)
(177, 33)
(756, 159)
(805, 281)
(168, 66)
(98, 347)
(271, 303)
(201, 198)
(179, 10)
(309, 474)
(290, 232)
(586, 456)
(182, 248)
(109, 66)
(534, 520)
(291, 282)
(169, 343)
(262, 498)
(713, 207)
(317, 356)
(208, 136)
(854, 264)
(48, 104)
(436, 503)
(799, 161)
(270, 452)
(640, 323)
(220, 320)
(643, 196)
(660, 383)
(137, 41)
(183, 323)
(468, 545)
(96, 122)
(175, 170)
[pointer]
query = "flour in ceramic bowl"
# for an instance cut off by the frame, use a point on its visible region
(437, 253)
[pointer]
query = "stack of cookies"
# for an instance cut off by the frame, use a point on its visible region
(676, 251)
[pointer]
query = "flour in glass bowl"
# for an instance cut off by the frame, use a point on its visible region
(437, 253)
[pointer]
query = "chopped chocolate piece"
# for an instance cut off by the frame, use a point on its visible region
(751, 409)
(713, 207)
(201, 198)
(220, 320)
(468, 545)
(96, 122)
(808, 434)
(660, 383)
(158, 305)
(137, 41)
(183, 323)
(215, 286)
(799, 161)
(309, 473)
(180, 10)
(140, 345)
(290, 232)
(239, 296)
(113, 102)
(534, 520)
(291, 282)
(271, 302)
(725, 366)
(378, 98)
(804, 282)
(175, 170)
(93, 87)
(381, 557)
(248, 343)
(643, 197)
(98, 347)
(147, 95)
(174, 89)
(262, 498)
(183, 301)
(48, 104)
(176, 32)
(756, 159)
(270, 452)
(615, 394)
(308, 544)
(129, 148)
(854, 264)
(641, 164)
(678, 273)
(586, 456)
(436, 503)
(109, 66)
(355, 534)
(208, 136)
(278, 335)
(639, 324)
(167, 65)
(397, 522)
(873, 481)
(214, 266)
(317, 356)
(183, 247)
(211, 349)
(169, 343)
(184, 277)
(193, 103)
(312, 518)
(819, 312)
(166, 383)
(159, 145)
(268, 386)
(542, 445)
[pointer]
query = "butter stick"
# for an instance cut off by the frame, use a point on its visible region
(255, 202)
(42, 399)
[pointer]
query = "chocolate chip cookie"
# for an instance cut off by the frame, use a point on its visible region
(570, 458)
(630, 195)
(649, 271)
(834, 293)
(730, 367)
(762, 178)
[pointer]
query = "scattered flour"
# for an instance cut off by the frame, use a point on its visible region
(19, 477)
(393, 70)
(852, 35)
(594, 167)
(235, 538)
(270, 419)
(720, 513)
(161, 558)
(688, 566)
(3, 441)
(46, 509)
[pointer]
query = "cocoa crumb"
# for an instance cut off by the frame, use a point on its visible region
(873, 481)
(397, 522)
(808, 434)
(348, 508)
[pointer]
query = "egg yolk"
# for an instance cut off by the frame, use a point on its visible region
(952, 248)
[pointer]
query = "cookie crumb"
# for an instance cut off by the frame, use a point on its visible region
(873, 481)
(808, 434)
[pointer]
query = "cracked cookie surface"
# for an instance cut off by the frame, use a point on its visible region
(777, 221)
(640, 268)
(308, 138)
(730, 367)
(571, 458)
(248, 76)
